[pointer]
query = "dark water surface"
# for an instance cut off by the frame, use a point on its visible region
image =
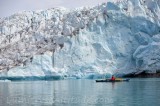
(136, 92)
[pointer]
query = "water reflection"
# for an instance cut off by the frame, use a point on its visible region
(80, 93)
(113, 84)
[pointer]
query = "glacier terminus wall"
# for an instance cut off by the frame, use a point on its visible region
(111, 38)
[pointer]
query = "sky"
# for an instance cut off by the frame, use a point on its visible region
(9, 7)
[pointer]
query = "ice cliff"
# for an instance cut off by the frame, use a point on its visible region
(121, 37)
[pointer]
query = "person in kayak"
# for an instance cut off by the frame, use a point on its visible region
(113, 78)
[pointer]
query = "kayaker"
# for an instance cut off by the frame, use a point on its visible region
(113, 78)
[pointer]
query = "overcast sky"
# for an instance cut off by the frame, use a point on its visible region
(8, 7)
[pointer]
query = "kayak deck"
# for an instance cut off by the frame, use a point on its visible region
(109, 80)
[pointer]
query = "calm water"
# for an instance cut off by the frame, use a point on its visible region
(137, 92)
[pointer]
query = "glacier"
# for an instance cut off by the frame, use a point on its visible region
(88, 42)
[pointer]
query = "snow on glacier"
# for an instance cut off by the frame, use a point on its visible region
(111, 38)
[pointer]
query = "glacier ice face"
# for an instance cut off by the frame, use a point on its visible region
(111, 38)
(147, 56)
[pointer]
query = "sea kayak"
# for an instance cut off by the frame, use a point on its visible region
(109, 80)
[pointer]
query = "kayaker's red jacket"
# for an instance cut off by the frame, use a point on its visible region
(113, 78)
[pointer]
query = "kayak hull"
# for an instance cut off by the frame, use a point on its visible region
(116, 80)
